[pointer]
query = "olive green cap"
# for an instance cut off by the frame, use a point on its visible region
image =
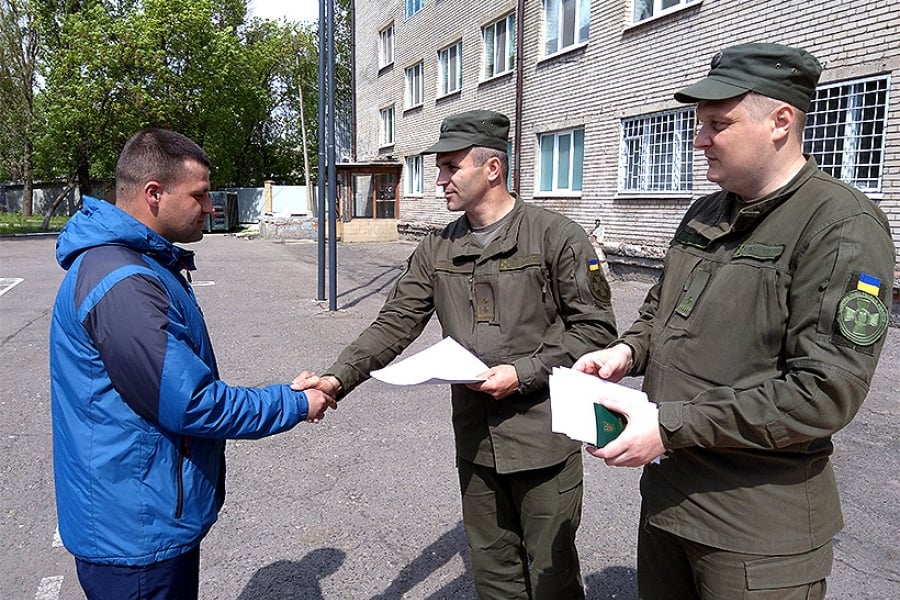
(779, 72)
(473, 128)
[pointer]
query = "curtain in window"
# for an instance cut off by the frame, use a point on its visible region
(551, 26)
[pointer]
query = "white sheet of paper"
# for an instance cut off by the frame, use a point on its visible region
(443, 362)
(572, 398)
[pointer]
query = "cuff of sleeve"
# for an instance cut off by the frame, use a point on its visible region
(527, 374)
(637, 363)
(303, 401)
(671, 420)
(343, 376)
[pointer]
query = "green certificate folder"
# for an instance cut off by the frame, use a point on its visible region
(609, 425)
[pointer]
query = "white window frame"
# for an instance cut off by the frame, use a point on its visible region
(386, 131)
(562, 177)
(656, 153)
(411, 7)
(498, 59)
(646, 10)
(846, 130)
(415, 85)
(450, 69)
(386, 46)
(414, 176)
(557, 25)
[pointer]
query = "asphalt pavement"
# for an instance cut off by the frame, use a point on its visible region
(364, 505)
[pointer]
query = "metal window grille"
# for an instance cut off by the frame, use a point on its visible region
(845, 131)
(655, 153)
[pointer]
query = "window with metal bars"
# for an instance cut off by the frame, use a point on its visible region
(655, 152)
(845, 130)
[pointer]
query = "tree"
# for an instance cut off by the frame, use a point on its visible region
(18, 60)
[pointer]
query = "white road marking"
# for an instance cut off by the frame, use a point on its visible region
(8, 283)
(202, 283)
(57, 541)
(49, 588)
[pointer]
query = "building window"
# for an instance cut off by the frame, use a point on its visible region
(566, 23)
(561, 164)
(647, 9)
(414, 182)
(450, 61)
(845, 131)
(655, 153)
(415, 85)
(412, 7)
(387, 126)
(386, 46)
(499, 46)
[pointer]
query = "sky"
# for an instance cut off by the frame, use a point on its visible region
(292, 10)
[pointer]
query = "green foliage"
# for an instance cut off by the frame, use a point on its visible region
(195, 66)
(18, 56)
(13, 223)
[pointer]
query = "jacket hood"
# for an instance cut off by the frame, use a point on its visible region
(100, 223)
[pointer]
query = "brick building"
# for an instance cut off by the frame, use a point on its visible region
(588, 85)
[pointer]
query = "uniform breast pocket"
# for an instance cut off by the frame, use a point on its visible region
(734, 318)
(523, 294)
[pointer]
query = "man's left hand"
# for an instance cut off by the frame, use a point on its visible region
(499, 381)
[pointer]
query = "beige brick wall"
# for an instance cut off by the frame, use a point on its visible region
(623, 71)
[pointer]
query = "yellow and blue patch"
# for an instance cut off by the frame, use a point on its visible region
(868, 284)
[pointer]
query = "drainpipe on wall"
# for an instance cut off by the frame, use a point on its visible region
(520, 73)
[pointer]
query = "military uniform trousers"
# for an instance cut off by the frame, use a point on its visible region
(670, 567)
(521, 530)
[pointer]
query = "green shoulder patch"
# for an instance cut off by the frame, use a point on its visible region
(599, 287)
(862, 318)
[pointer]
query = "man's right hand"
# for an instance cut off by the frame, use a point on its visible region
(318, 401)
(611, 364)
(327, 383)
(320, 393)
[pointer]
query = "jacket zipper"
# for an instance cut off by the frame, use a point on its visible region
(185, 451)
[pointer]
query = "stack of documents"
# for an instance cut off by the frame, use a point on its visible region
(444, 362)
(575, 410)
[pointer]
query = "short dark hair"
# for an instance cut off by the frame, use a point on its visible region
(155, 154)
(482, 154)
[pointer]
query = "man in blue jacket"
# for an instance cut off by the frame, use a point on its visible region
(140, 416)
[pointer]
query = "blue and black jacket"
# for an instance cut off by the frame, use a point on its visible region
(140, 416)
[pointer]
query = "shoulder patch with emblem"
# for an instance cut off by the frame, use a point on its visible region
(862, 317)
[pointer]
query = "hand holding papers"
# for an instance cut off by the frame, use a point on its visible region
(576, 412)
(444, 362)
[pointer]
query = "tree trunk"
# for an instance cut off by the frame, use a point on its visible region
(28, 179)
(62, 196)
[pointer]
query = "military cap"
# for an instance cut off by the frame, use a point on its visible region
(473, 128)
(779, 72)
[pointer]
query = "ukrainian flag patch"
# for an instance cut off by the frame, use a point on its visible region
(868, 284)
(593, 264)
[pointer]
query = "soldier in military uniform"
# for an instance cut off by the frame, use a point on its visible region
(757, 344)
(521, 288)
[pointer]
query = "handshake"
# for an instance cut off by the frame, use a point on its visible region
(321, 393)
